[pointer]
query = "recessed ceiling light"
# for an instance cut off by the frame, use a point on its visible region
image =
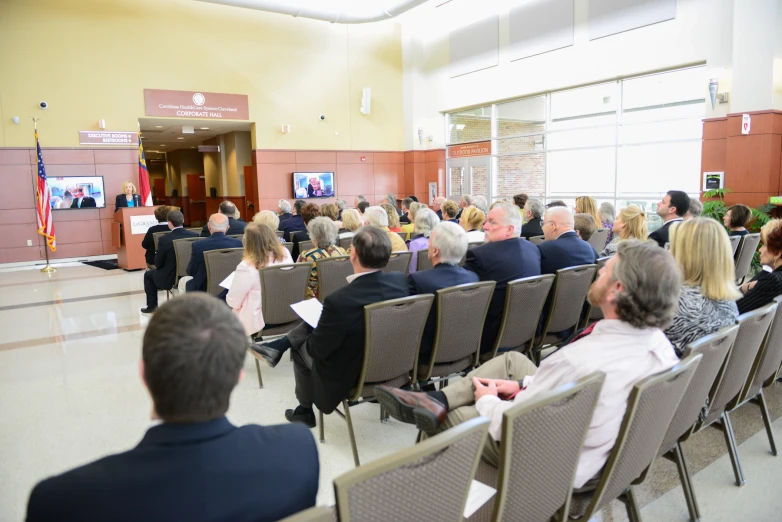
(180, 138)
(162, 144)
(204, 128)
(158, 126)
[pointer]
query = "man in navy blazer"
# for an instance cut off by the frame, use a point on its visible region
(218, 224)
(447, 246)
(195, 465)
(294, 223)
(505, 257)
(234, 225)
(562, 247)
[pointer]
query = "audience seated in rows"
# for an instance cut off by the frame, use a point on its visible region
(629, 224)
(695, 210)
(308, 212)
(637, 291)
(425, 221)
(449, 210)
(148, 243)
(556, 203)
(262, 248)
(331, 211)
(358, 199)
(562, 247)
(588, 205)
(294, 223)
(707, 301)
(584, 225)
(362, 207)
(283, 210)
(327, 360)
(505, 257)
(736, 219)
(409, 228)
(164, 274)
(193, 464)
(323, 234)
(481, 204)
(520, 200)
(377, 217)
(607, 214)
(465, 201)
(405, 217)
(436, 204)
(235, 226)
(671, 209)
(765, 286)
(390, 198)
(351, 221)
(341, 205)
(393, 217)
(472, 221)
(270, 219)
(533, 215)
(196, 269)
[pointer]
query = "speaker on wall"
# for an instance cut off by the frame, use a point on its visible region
(213, 192)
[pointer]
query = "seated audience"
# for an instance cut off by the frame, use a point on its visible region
(587, 205)
(327, 360)
(637, 292)
(584, 225)
(671, 209)
(533, 215)
(193, 464)
(341, 205)
(405, 217)
(331, 211)
(323, 234)
(308, 212)
(393, 218)
(695, 210)
(436, 207)
(358, 199)
(450, 210)
(148, 243)
(425, 221)
(163, 276)
(391, 200)
(217, 240)
(481, 204)
(707, 301)
(294, 223)
(409, 228)
(465, 201)
(556, 203)
(607, 214)
(629, 224)
(283, 210)
(362, 207)
(736, 219)
(472, 221)
(562, 247)
(351, 221)
(261, 249)
(505, 257)
(765, 286)
(235, 226)
(520, 200)
(447, 246)
(270, 219)
(377, 217)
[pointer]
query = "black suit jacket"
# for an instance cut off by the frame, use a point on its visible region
(298, 237)
(429, 282)
(293, 224)
(205, 472)
(337, 344)
(122, 201)
(284, 216)
(148, 243)
(234, 227)
(197, 266)
(164, 274)
(501, 261)
(565, 251)
(86, 202)
(661, 234)
(532, 228)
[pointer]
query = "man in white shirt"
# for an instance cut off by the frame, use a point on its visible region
(638, 291)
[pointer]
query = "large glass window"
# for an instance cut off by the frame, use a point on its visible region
(470, 125)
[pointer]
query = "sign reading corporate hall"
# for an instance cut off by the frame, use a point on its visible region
(191, 104)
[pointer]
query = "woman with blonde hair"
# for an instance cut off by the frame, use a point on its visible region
(270, 219)
(351, 221)
(588, 205)
(472, 221)
(707, 301)
(261, 249)
(393, 217)
(629, 224)
(128, 198)
(331, 211)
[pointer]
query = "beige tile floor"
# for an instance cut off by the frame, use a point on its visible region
(70, 393)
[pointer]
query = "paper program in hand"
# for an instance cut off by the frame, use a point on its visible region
(309, 311)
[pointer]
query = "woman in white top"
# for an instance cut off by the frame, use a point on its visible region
(261, 249)
(472, 222)
(351, 220)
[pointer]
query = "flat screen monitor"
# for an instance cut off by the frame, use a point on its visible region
(313, 185)
(77, 192)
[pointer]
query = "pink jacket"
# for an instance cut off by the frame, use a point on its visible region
(245, 295)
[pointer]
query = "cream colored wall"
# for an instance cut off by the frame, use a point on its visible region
(238, 156)
(211, 164)
(92, 59)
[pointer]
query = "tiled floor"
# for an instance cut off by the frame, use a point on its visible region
(70, 393)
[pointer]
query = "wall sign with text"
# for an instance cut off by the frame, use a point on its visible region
(466, 150)
(192, 104)
(108, 138)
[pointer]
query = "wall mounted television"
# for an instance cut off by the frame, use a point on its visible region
(71, 192)
(313, 185)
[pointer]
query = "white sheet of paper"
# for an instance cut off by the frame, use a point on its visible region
(478, 495)
(309, 311)
(226, 283)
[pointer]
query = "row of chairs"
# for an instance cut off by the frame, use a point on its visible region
(598, 239)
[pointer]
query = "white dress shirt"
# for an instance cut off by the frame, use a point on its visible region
(624, 353)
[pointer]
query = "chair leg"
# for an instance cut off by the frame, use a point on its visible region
(350, 432)
(730, 440)
(684, 476)
(761, 398)
(260, 378)
(321, 427)
(631, 506)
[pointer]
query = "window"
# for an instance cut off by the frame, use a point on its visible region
(470, 125)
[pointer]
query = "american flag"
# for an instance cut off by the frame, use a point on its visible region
(44, 196)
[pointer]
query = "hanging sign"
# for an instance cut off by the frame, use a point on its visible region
(192, 104)
(482, 148)
(108, 138)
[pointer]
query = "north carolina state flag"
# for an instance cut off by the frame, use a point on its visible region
(143, 176)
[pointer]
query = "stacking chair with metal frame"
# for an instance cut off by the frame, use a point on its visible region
(305, 246)
(313, 514)
(390, 353)
(289, 246)
(156, 237)
(536, 240)
(524, 301)
(744, 257)
(541, 445)
(594, 313)
(183, 251)
(236, 236)
(598, 239)
(735, 242)
(408, 485)
(279, 233)
(461, 312)
(399, 262)
(650, 408)
(332, 274)
(345, 242)
(424, 263)
(219, 265)
(404, 235)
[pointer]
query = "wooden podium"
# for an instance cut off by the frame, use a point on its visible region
(127, 231)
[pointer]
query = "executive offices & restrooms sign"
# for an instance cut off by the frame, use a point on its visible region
(196, 104)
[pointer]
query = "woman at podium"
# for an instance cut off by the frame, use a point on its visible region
(129, 199)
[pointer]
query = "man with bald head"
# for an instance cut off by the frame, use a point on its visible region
(218, 225)
(436, 206)
(235, 226)
(562, 247)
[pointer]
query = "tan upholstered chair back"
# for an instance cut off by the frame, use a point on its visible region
(768, 359)
(735, 241)
(399, 262)
(345, 242)
(524, 300)
(424, 263)
(219, 265)
(598, 239)
(569, 296)
(536, 240)
(156, 237)
(183, 250)
(749, 245)
(332, 274)
(305, 246)
(289, 246)
(282, 286)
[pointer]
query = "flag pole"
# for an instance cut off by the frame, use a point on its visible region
(48, 269)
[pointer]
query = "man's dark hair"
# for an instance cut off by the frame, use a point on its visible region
(680, 200)
(407, 202)
(739, 215)
(297, 206)
(557, 203)
(161, 213)
(227, 208)
(372, 247)
(193, 352)
(176, 218)
(363, 206)
(413, 198)
(520, 200)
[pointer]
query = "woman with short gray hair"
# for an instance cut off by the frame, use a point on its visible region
(425, 221)
(323, 233)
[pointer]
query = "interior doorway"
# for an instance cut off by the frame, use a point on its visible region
(468, 176)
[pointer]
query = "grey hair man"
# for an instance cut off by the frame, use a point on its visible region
(436, 206)
(358, 199)
(294, 223)
(695, 210)
(284, 209)
(341, 205)
(218, 226)
(377, 217)
(562, 247)
(390, 198)
(637, 291)
(481, 204)
(235, 227)
(533, 215)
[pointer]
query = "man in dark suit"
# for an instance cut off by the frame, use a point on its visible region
(80, 199)
(195, 465)
(533, 214)
(284, 210)
(671, 209)
(235, 226)
(218, 224)
(164, 275)
(294, 223)
(405, 217)
(436, 207)
(327, 360)
(562, 247)
(505, 257)
(447, 246)
(148, 243)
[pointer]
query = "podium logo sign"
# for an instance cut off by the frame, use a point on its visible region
(192, 104)
(140, 224)
(108, 138)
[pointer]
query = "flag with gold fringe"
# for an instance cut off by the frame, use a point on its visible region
(43, 198)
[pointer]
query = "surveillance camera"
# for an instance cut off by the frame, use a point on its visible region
(322, 117)
(43, 105)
